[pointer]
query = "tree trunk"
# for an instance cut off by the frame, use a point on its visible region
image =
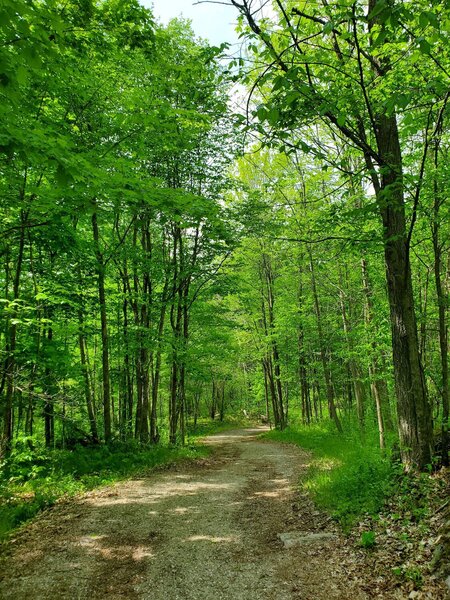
(222, 402)
(378, 383)
(266, 392)
(87, 384)
(274, 371)
(82, 344)
(127, 403)
(104, 330)
(268, 365)
(413, 409)
(304, 387)
(156, 372)
(442, 299)
(212, 408)
(414, 414)
(49, 413)
(355, 371)
(10, 365)
(323, 354)
(176, 311)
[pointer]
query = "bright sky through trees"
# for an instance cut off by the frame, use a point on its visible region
(211, 21)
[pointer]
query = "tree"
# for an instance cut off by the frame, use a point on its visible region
(350, 82)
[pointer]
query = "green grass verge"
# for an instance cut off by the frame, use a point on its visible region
(207, 427)
(348, 476)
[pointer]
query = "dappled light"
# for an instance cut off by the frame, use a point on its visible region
(270, 494)
(201, 521)
(183, 510)
(186, 487)
(236, 525)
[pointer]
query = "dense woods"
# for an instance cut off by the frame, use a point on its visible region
(163, 259)
(115, 148)
(369, 102)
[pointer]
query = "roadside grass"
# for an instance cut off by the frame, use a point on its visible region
(207, 427)
(349, 476)
(34, 479)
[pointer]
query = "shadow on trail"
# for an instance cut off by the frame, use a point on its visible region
(200, 532)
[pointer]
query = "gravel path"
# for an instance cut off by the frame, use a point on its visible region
(205, 531)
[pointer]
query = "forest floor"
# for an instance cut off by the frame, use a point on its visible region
(233, 526)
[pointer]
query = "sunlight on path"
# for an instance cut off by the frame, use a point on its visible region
(221, 531)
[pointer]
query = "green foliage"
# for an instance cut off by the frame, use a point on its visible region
(213, 288)
(412, 495)
(368, 539)
(413, 574)
(207, 427)
(347, 477)
(122, 122)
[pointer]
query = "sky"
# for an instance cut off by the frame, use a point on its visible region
(215, 22)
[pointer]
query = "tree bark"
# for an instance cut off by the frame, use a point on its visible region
(10, 365)
(156, 372)
(87, 384)
(323, 354)
(49, 418)
(378, 383)
(414, 413)
(82, 345)
(355, 371)
(104, 329)
(274, 368)
(442, 299)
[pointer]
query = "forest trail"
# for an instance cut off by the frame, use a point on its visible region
(198, 531)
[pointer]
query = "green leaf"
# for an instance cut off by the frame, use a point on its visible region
(22, 75)
(433, 19)
(273, 115)
(41, 296)
(262, 113)
(304, 147)
(423, 19)
(278, 83)
(424, 46)
(380, 39)
(292, 97)
(379, 7)
(402, 100)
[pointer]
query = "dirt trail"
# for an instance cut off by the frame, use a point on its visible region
(208, 531)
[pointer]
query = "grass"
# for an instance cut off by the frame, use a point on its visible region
(207, 427)
(31, 480)
(349, 477)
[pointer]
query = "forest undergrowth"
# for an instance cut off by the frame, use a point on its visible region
(172, 251)
(396, 520)
(348, 475)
